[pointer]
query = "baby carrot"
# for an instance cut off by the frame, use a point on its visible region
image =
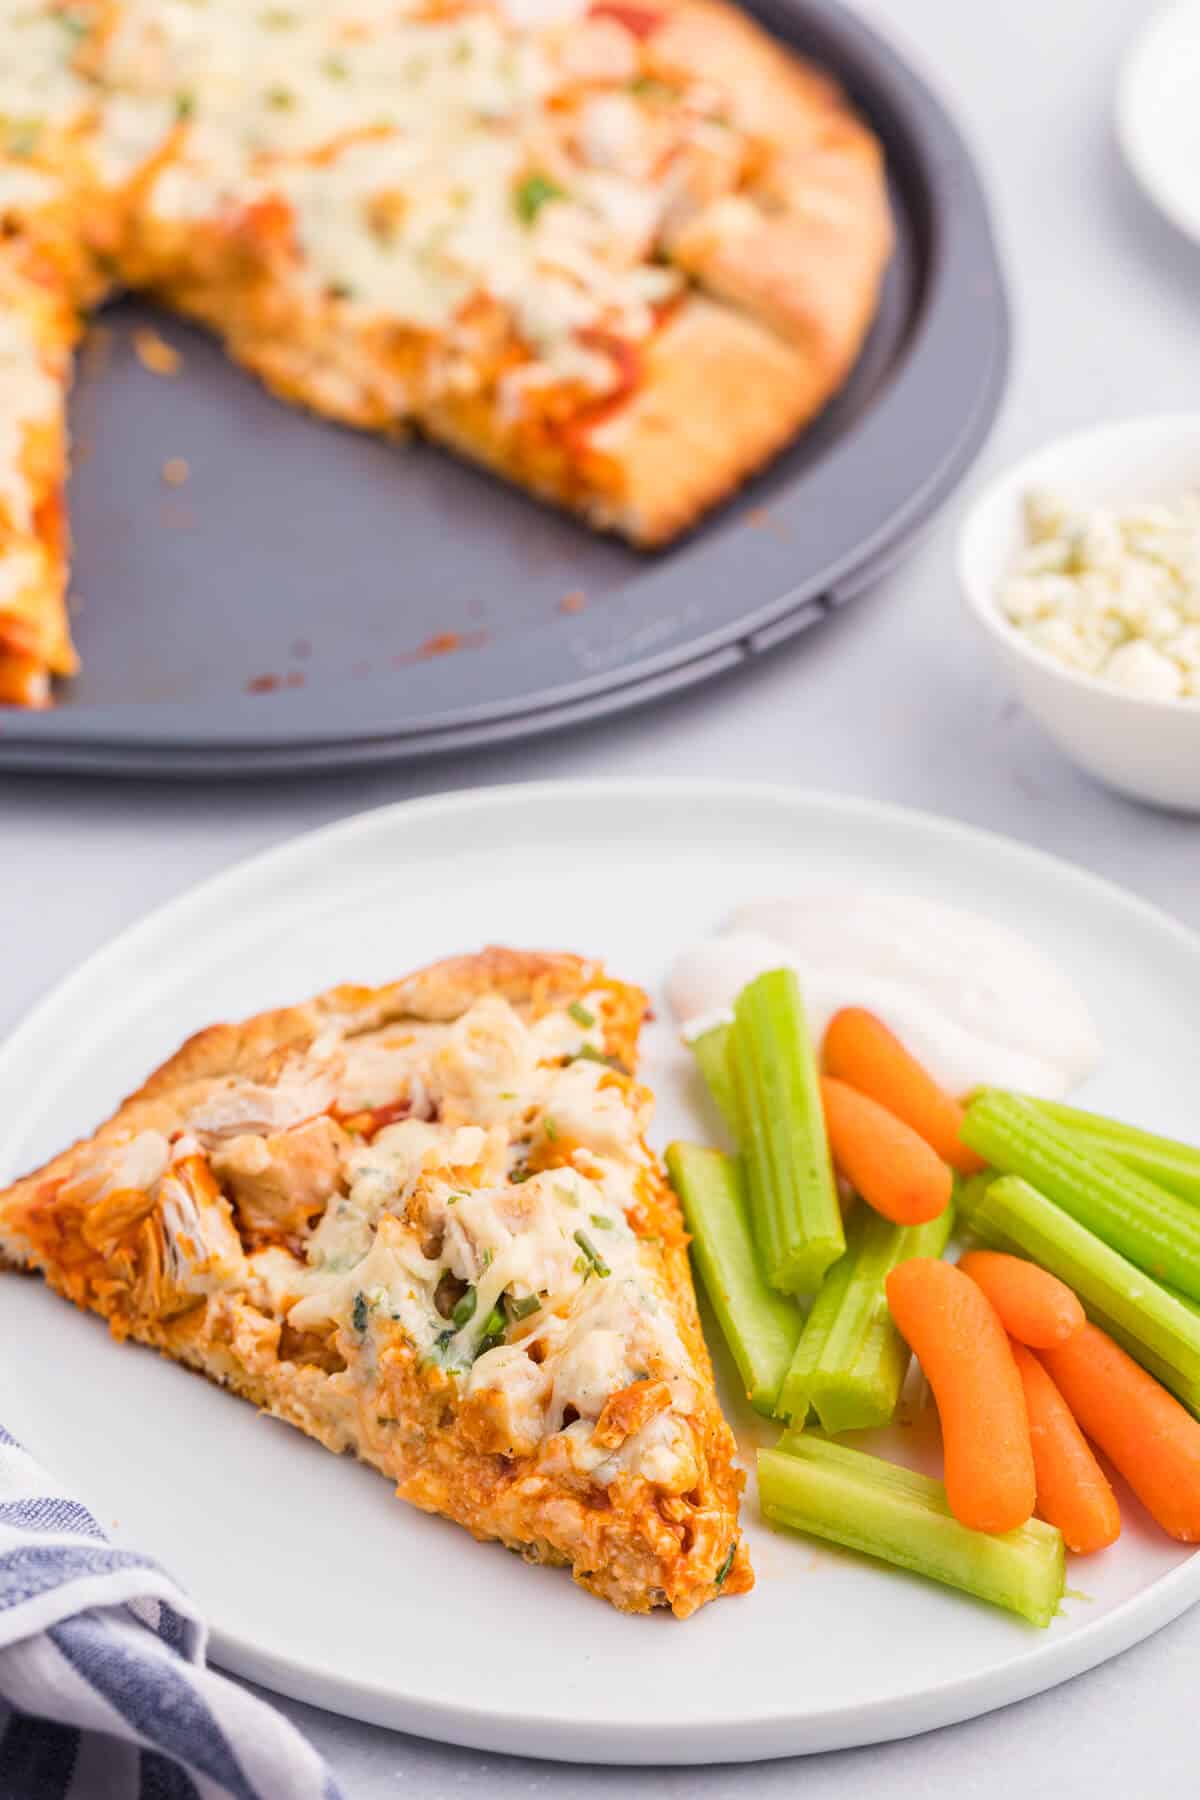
(893, 1169)
(1034, 1306)
(952, 1329)
(861, 1051)
(1072, 1491)
(1141, 1428)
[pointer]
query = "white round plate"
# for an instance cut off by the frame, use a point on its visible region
(1158, 113)
(316, 1580)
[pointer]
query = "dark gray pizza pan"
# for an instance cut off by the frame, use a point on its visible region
(311, 598)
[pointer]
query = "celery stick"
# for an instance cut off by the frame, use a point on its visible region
(759, 1325)
(1160, 1329)
(711, 1050)
(831, 1491)
(851, 1361)
(793, 1203)
(1165, 1160)
(1153, 1228)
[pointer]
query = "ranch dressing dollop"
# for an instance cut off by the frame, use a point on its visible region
(975, 1002)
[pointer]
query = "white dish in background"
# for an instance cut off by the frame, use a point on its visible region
(1147, 748)
(1158, 113)
(316, 1580)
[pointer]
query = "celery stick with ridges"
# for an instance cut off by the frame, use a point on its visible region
(759, 1325)
(830, 1491)
(1153, 1228)
(1159, 1329)
(850, 1362)
(711, 1050)
(1165, 1160)
(793, 1202)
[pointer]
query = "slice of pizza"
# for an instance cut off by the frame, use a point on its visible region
(421, 1223)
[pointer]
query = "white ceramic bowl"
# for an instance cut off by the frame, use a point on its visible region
(1157, 112)
(1147, 748)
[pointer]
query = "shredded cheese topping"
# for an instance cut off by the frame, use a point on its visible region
(488, 1225)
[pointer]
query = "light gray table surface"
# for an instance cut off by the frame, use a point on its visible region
(893, 699)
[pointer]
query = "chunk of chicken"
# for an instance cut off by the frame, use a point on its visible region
(279, 1184)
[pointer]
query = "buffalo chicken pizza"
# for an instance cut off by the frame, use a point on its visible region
(617, 252)
(421, 1223)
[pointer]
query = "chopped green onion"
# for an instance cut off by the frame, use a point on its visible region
(464, 1311)
(793, 1202)
(533, 193)
(759, 1325)
(579, 1012)
(592, 1254)
(523, 1308)
(851, 1361)
(711, 1050)
(494, 1327)
(550, 1128)
(1152, 1227)
(722, 1572)
(830, 1491)
(1158, 1328)
(22, 139)
(588, 1054)
(335, 67)
(185, 105)
(600, 1222)
(281, 99)
(518, 1173)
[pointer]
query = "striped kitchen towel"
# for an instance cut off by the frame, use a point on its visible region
(104, 1691)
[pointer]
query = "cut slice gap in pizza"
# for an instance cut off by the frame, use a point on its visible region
(421, 1223)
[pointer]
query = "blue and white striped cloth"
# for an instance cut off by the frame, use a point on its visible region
(104, 1691)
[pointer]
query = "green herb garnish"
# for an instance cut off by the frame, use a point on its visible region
(465, 1309)
(359, 1313)
(594, 1258)
(722, 1572)
(532, 195)
(185, 105)
(600, 1222)
(281, 99)
(494, 1327)
(518, 1173)
(587, 1054)
(652, 87)
(581, 1015)
(22, 140)
(550, 1128)
(335, 68)
(523, 1308)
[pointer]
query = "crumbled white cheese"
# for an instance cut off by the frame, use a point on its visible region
(1114, 594)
